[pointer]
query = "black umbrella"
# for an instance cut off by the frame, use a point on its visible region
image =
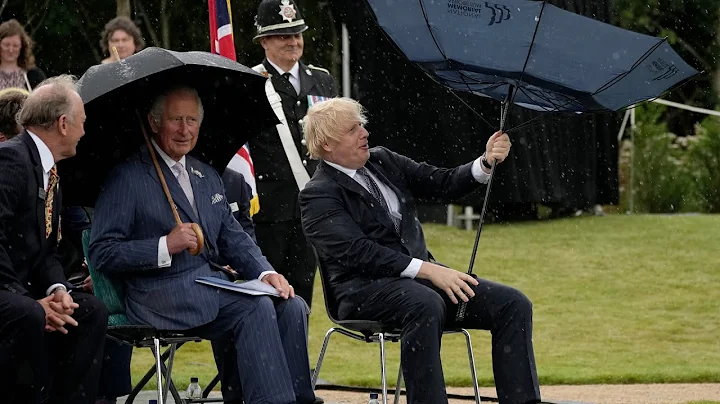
(233, 97)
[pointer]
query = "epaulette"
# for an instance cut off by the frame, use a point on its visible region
(319, 68)
(262, 70)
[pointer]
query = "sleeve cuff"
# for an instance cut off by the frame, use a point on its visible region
(52, 288)
(478, 173)
(412, 269)
(263, 273)
(164, 258)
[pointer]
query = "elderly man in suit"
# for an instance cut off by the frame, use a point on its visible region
(259, 343)
(359, 212)
(51, 340)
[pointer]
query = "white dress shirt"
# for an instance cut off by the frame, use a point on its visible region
(164, 257)
(393, 203)
(48, 161)
(46, 158)
(294, 74)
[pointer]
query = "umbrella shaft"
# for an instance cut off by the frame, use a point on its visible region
(460, 315)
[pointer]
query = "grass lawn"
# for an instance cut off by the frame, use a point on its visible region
(617, 299)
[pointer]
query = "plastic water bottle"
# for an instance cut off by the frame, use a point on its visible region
(373, 398)
(193, 390)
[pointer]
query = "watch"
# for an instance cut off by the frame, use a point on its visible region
(484, 162)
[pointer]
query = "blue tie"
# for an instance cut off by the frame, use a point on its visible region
(374, 190)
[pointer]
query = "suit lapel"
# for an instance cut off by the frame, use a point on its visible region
(307, 81)
(200, 191)
(345, 181)
(279, 82)
(39, 172)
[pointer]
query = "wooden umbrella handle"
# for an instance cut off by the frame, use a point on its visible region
(195, 227)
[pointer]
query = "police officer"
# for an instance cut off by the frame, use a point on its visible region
(277, 225)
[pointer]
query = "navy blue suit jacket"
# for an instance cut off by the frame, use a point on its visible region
(131, 215)
(353, 235)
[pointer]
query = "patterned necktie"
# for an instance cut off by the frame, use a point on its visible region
(182, 177)
(49, 197)
(374, 190)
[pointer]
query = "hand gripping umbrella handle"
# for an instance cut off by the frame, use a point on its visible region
(195, 227)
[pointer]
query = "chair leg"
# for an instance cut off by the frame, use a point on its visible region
(171, 359)
(172, 388)
(383, 374)
(146, 378)
(158, 369)
(211, 386)
(316, 373)
(471, 358)
(398, 385)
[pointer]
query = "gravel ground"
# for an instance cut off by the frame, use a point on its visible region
(589, 394)
(596, 394)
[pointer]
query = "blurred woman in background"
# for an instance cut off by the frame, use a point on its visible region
(17, 62)
(124, 35)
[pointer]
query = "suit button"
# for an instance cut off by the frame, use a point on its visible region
(303, 142)
(305, 163)
(260, 177)
(300, 122)
(298, 103)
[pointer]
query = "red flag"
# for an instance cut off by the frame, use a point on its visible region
(222, 43)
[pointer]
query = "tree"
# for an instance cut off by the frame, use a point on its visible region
(693, 29)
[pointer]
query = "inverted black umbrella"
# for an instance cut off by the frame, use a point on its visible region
(117, 98)
(531, 54)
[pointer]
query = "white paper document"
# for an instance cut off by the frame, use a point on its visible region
(254, 287)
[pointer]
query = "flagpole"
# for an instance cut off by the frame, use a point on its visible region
(345, 61)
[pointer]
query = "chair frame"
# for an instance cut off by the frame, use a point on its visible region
(141, 336)
(375, 331)
(148, 337)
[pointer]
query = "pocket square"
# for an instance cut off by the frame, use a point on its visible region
(217, 198)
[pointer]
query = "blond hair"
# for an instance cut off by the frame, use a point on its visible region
(326, 120)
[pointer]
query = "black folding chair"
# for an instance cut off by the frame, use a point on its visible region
(375, 331)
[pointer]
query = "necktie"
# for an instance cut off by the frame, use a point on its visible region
(49, 197)
(374, 190)
(182, 177)
(287, 77)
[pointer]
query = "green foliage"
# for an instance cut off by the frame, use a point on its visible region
(704, 154)
(691, 28)
(661, 178)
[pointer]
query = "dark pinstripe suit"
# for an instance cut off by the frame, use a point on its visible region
(269, 356)
(27, 268)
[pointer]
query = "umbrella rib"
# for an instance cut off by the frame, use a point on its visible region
(642, 58)
(471, 109)
(532, 43)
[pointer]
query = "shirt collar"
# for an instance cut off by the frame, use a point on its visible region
(348, 171)
(46, 157)
(168, 160)
(294, 71)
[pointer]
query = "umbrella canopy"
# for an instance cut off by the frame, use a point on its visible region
(556, 60)
(233, 96)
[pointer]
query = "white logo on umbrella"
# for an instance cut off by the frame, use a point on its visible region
(287, 10)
